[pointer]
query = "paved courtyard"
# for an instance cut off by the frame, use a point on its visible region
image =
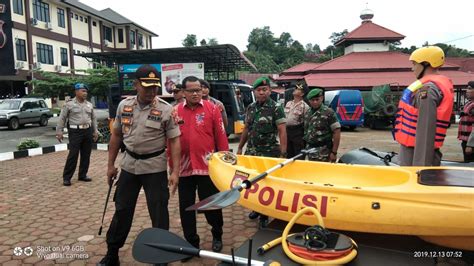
(60, 224)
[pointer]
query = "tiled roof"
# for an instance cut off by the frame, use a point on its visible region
(370, 61)
(371, 31)
(370, 79)
(301, 68)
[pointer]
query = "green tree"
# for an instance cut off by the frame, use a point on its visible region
(212, 41)
(190, 40)
(203, 42)
(99, 79)
(50, 84)
(261, 40)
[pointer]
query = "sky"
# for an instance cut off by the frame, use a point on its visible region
(308, 21)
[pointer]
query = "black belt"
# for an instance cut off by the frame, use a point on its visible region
(319, 144)
(294, 126)
(137, 156)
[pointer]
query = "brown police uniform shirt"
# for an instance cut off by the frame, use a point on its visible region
(295, 112)
(426, 99)
(145, 130)
(77, 114)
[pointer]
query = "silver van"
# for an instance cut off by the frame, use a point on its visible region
(19, 111)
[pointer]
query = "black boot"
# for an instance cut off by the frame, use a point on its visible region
(111, 259)
(253, 215)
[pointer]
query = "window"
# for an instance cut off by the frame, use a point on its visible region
(20, 50)
(72, 15)
(76, 16)
(120, 35)
(43, 104)
(61, 21)
(64, 57)
(41, 11)
(107, 33)
(44, 53)
(81, 18)
(140, 40)
(132, 38)
(85, 20)
(18, 7)
(94, 23)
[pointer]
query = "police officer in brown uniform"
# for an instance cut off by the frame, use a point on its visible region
(144, 124)
(78, 114)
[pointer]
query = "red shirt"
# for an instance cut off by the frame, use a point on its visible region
(202, 133)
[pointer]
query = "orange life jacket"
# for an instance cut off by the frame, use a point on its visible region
(407, 114)
(466, 122)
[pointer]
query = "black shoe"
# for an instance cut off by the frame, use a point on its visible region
(263, 221)
(85, 179)
(253, 215)
(216, 245)
(67, 183)
(109, 260)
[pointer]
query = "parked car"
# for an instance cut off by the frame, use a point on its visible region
(19, 111)
(348, 105)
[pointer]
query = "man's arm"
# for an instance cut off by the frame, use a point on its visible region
(224, 115)
(114, 147)
(61, 122)
(426, 126)
(282, 135)
(336, 139)
(175, 148)
(95, 130)
(243, 139)
(220, 136)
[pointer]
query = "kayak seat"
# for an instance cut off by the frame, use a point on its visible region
(446, 177)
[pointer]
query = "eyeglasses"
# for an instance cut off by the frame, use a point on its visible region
(192, 91)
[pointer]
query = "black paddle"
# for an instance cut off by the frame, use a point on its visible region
(106, 202)
(229, 197)
(154, 245)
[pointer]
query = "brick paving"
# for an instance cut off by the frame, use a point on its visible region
(37, 211)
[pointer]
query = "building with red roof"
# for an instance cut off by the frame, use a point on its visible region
(368, 62)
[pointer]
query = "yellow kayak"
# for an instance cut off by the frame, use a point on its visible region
(434, 203)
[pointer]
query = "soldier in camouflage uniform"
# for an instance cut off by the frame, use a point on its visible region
(264, 119)
(321, 129)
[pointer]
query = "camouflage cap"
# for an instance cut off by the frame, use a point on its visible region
(314, 93)
(261, 81)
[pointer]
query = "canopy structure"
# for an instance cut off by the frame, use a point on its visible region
(217, 59)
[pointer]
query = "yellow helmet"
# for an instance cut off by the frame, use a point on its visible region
(430, 54)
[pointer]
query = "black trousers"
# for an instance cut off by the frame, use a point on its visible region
(187, 196)
(295, 142)
(80, 140)
(126, 195)
(467, 157)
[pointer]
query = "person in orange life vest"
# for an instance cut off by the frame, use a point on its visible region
(424, 110)
(465, 132)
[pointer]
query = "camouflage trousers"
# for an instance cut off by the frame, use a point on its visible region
(269, 152)
(321, 154)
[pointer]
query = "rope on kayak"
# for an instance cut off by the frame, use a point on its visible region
(313, 251)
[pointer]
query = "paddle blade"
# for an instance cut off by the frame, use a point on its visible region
(216, 201)
(144, 252)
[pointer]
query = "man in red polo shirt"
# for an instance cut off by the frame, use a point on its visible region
(202, 132)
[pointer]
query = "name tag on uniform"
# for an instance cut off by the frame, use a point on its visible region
(155, 115)
(154, 118)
